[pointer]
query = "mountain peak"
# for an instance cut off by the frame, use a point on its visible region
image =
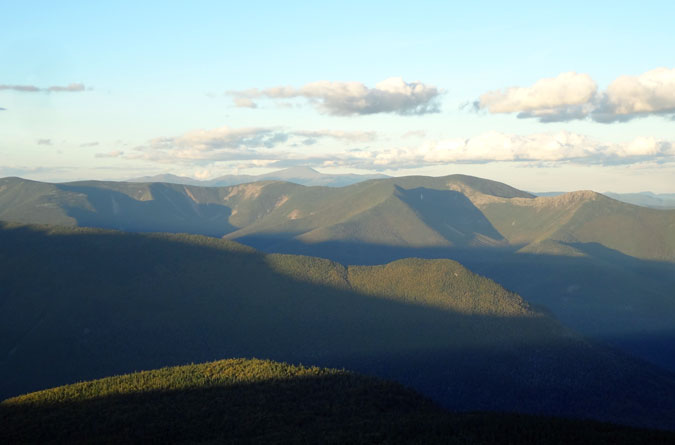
(296, 172)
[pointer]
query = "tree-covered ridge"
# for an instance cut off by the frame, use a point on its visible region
(434, 281)
(261, 401)
(219, 373)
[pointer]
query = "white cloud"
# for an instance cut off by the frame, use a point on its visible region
(275, 147)
(575, 96)
(223, 137)
(650, 93)
(392, 95)
(551, 98)
(111, 154)
(73, 87)
(226, 143)
(351, 136)
(244, 102)
(499, 147)
(414, 134)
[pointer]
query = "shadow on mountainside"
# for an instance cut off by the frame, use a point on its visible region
(78, 304)
(167, 211)
(606, 294)
(451, 214)
(327, 409)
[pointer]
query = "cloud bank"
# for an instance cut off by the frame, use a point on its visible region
(499, 147)
(392, 95)
(227, 143)
(576, 96)
(270, 146)
(72, 88)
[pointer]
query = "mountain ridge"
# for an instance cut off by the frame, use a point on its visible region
(300, 175)
(221, 401)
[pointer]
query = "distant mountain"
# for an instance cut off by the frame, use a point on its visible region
(646, 199)
(256, 401)
(167, 178)
(84, 303)
(297, 175)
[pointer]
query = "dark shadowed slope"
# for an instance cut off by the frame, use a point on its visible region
(255, 401)
(82, 303)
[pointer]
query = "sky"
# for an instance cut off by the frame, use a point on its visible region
(544, 96)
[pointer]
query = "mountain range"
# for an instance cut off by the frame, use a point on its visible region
(297, 175)
(311, 177)
(603, 267)
(83, 303)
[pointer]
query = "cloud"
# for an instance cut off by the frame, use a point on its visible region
(223, 137)
(563, 97)
(350, 136)
(572, 96)
(628, 97)
(22, 88)
(44, 142)
(73, 87)
(244, 102)
(414, 134)
(274, 148)
(24, 171)
(392, 95)
(89, 144)
(111, 154)
(226, 143)
(3, 109)
(563, 147)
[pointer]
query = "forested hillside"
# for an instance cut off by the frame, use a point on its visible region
(85, 303)
(256, 401)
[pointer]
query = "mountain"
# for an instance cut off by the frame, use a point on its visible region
(646, 199)
(80, 304)
(298, 175)
(168, 178)
(603, 267)
(257, 401)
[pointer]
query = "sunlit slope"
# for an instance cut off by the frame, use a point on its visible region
(434, 282)
(563, 221)
(84, 303)
(34, 202)
(258, 401)
(409, 211)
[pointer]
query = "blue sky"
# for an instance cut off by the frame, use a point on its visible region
(110, 91)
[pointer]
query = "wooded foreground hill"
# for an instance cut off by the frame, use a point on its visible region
(256, 401)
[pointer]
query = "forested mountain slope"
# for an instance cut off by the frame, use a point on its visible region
(83, 303)
(256, 401)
